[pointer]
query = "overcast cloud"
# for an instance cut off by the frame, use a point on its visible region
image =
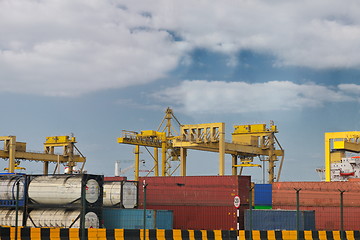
(69, 48)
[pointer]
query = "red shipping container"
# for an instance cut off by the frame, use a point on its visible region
(204, 217)
(319, 194)
(195, 190)
(115, 179)
(328, 218)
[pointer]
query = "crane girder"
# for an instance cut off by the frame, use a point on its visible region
(42, 157)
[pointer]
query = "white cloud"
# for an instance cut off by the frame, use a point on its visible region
(315, 34)
(239, 97)
(67, 48)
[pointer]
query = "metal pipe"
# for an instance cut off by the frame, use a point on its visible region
(144, 187)
(297, 211)
(17, 209)
(341, 214)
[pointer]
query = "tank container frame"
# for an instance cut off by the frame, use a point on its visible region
(79, 204)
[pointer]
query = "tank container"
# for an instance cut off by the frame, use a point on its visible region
(8, 217)
(122, 194)
(8, 188)
(62, 189)
(61, 218)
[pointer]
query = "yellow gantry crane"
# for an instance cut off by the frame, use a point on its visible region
(160, 139)
(15, 151)
(248, 141)
(340, 142)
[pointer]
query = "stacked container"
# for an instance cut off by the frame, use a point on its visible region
(9, 184)
(262, 196)
(69, 201)
(198, 202)
(324, 199)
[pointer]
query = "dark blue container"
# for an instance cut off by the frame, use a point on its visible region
(265, 220)
(263, 194)
(117, 218)
(164, 219)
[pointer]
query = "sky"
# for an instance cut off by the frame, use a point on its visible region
(92, 68)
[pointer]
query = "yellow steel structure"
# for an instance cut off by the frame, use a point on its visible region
(248, 141)
(162, 138)
(340, 142)
(15, 151)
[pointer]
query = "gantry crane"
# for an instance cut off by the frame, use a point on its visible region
(162, 138)
(340, 142)
(16, 151)
(248, 141)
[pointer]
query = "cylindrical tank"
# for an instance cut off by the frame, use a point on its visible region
(61, 189)
(112, 194)
(130, 194)
(61, 218)
(8, 217)
(8, 188)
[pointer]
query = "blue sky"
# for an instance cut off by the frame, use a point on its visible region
(95, 68)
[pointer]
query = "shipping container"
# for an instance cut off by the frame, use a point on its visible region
(204, 217)
(195, 190)
(164, 219)
(316, 193)
(328, 218)
(265, 220)
(262, 207)
(198, 202)
(263, 194)
(115, 218)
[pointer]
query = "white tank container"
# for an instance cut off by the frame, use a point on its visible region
(8, 217)
(130, 194)
(61, 218)
(112, 194)
(61, 189)
(8, 188)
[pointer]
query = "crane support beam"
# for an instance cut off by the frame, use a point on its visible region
(41, 157)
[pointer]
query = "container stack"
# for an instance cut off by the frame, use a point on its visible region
(324, 199)
(198, 202)
(66, 201)
(12, 187)
(69, 201)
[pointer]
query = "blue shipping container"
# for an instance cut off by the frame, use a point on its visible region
(117, 218)
(164, 219)
(279, 220)
(263, 194)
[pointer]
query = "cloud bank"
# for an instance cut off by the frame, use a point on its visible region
(69, 48)
(202, 96)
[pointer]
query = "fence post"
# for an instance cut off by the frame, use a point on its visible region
(297, 212)
(341, 214)
(144, 187)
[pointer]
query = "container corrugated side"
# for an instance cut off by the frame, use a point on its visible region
(265, 220)
(164, 219)
(263, 194)
(115, 218)
(204, 217)
(195, 190)
(316, 193)
(328, 218)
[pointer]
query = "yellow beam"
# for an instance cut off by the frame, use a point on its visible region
(43, 157)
